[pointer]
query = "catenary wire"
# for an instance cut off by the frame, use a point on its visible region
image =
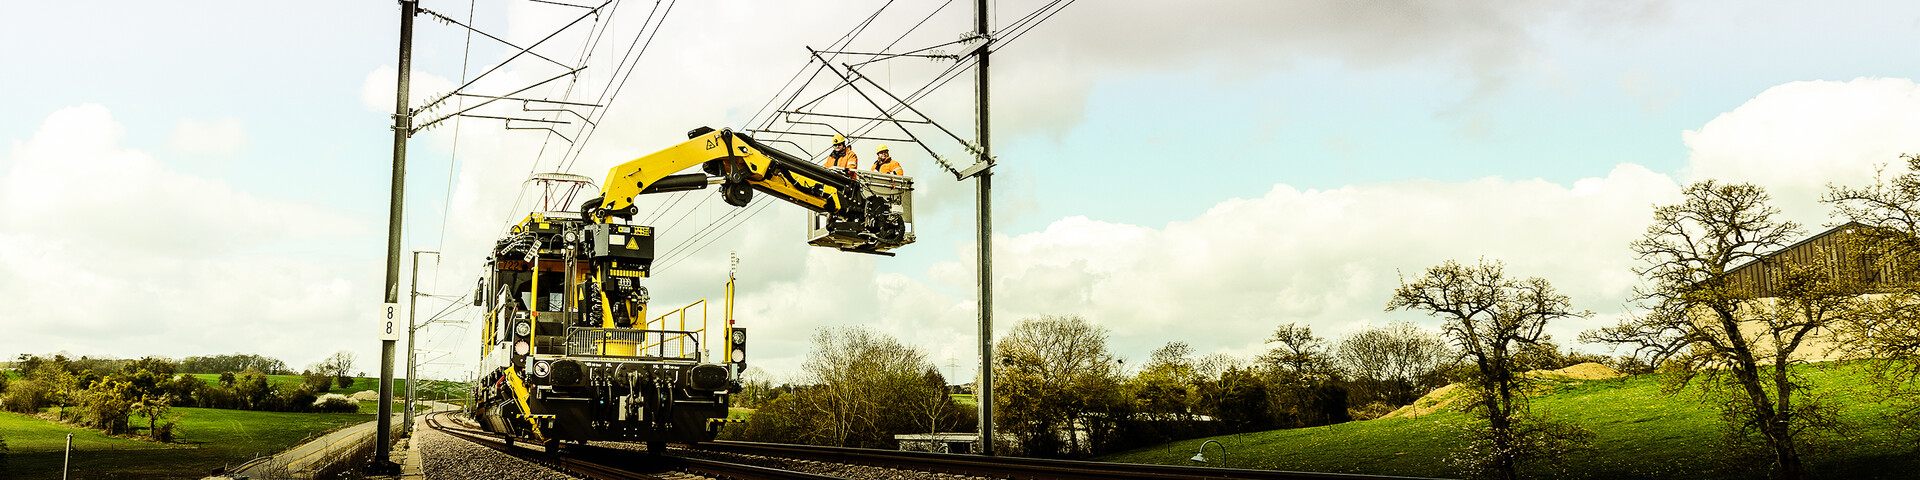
(1020, 27)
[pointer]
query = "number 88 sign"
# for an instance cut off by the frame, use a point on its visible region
(390, 326)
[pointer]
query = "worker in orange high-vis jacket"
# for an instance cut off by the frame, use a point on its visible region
(886, 164)
(842, 156)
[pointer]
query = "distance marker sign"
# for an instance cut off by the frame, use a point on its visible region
(390, 322)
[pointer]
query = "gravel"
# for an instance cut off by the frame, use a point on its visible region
(446, 457)
(844, 470)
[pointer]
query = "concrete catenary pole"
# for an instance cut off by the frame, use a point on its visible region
(402, 127)
(413, 299)
(985, 177)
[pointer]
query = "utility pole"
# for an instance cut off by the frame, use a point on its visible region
(402, 128)
(413, 300)
(985, 177)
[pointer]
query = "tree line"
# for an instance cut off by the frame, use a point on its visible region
(1707, 327)
(106, 394)
(1060, 392)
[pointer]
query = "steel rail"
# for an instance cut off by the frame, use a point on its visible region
(617, 464)
(1017, 467)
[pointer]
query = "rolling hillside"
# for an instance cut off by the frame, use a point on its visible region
(1639, 433)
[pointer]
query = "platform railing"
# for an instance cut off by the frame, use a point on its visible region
(686, 335)
(607, 342)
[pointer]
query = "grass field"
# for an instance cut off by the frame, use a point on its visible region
(1639, 433)
(359, 383)
(208, 439)
(964, 400)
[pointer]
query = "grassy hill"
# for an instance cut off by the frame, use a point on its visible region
(1639, 433)
(208, 439)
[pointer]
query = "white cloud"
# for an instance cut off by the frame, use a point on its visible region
(1220, 281)
(1796, 138)
(1328, 259)
(108, 251)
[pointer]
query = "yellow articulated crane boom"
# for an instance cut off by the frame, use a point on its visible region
(569, 354)
(854, 210)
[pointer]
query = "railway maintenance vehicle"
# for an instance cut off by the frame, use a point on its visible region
(570, 351)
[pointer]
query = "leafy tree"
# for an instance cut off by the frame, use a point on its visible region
(252, 389)
(155, 408)
(160, 366)
(316, 381)
(1164, 387)
(233, 363)
(1055, 375)
(780, 419)
(1707, 324)
(1490, 318)
(184, 389)
(1238, 399)
(105, 406)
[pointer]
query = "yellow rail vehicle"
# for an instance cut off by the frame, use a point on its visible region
(570, 352)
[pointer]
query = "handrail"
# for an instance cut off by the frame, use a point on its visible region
(682, 337)
(591, 341)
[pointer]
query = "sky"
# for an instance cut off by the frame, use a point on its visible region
(206, 177)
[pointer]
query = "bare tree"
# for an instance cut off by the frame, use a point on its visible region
(866, 387)
(1164, 386)
(1303, 386)
(1396, 358)
(1888, 327)
(1056, 374)
(1490, 318)
(1297, 349)
(1704, 322)
(337, 366)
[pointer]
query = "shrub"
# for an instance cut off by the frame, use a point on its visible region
(336, 403)
(317, 382)
(105, 406)
(25, 396)
(165, 431)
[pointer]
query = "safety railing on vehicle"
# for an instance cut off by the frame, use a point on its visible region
(631, 342)
(680, 341)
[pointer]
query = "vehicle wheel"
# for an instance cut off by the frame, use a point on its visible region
(656, 448)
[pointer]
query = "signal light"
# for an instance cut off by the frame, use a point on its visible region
(738, 337)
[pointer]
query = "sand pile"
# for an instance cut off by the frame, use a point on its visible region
(1453, 395)
(1584, 371)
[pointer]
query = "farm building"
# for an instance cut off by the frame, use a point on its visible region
(1837, 250)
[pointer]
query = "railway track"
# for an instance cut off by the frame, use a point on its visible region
(617, 461)
(1014, 467)
(616, 464)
